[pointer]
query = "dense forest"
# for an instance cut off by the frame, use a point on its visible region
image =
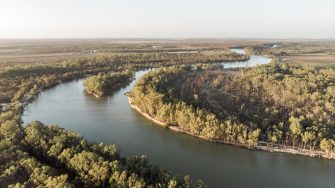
(278, 104)
(103, 84)
(49, 156)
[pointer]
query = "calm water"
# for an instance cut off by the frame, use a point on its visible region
(111, 120)
(253, 61)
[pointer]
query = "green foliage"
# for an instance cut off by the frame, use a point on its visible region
(281, 104)
(49, 156)
(331, 65)
(21, 83)
(103, 84)
(90, 167)
(19, 169)
(156, 94)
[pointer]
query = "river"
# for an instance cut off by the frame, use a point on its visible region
(111, 120)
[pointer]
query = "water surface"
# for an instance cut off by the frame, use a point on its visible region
(253, 61)
(111, 120)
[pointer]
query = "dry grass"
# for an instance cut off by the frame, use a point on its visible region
(317, 59)
(331, 66)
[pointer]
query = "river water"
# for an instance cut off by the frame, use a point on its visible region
(111, 120)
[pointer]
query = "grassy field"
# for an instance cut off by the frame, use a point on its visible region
(316, 59)
(331, 66)
(310, 52)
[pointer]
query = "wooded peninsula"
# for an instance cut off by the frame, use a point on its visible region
(283, 107)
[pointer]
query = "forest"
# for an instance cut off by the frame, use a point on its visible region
(278, 104)
(104, 84)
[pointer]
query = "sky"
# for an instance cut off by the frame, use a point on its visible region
(167, 19)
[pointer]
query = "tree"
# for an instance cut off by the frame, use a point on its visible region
(11, 131)
(295, 128)
(275, 135)
(92, 169)
(308, 137)
(326, 145)
(253, 138)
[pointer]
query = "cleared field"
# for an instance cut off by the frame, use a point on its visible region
(318, 60)
(331, 65)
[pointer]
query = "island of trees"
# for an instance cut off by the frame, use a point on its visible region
(103, 84)
(275, 107)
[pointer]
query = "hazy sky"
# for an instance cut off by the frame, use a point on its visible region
(167, 19)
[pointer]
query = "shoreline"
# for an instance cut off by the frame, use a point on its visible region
(147, 115)
(262, 146)
(92, 93)
(29, 98)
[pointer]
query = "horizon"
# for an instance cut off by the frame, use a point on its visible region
(149, 19)
(171, 38)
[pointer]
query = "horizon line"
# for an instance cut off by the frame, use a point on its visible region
(166, 38)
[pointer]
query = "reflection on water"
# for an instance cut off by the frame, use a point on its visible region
(253, 61)
(111, 120)
(238, 51)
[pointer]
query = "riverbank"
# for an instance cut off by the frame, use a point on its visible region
(263, 146)
(30, 97)
(93, 94)
(146, 115)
